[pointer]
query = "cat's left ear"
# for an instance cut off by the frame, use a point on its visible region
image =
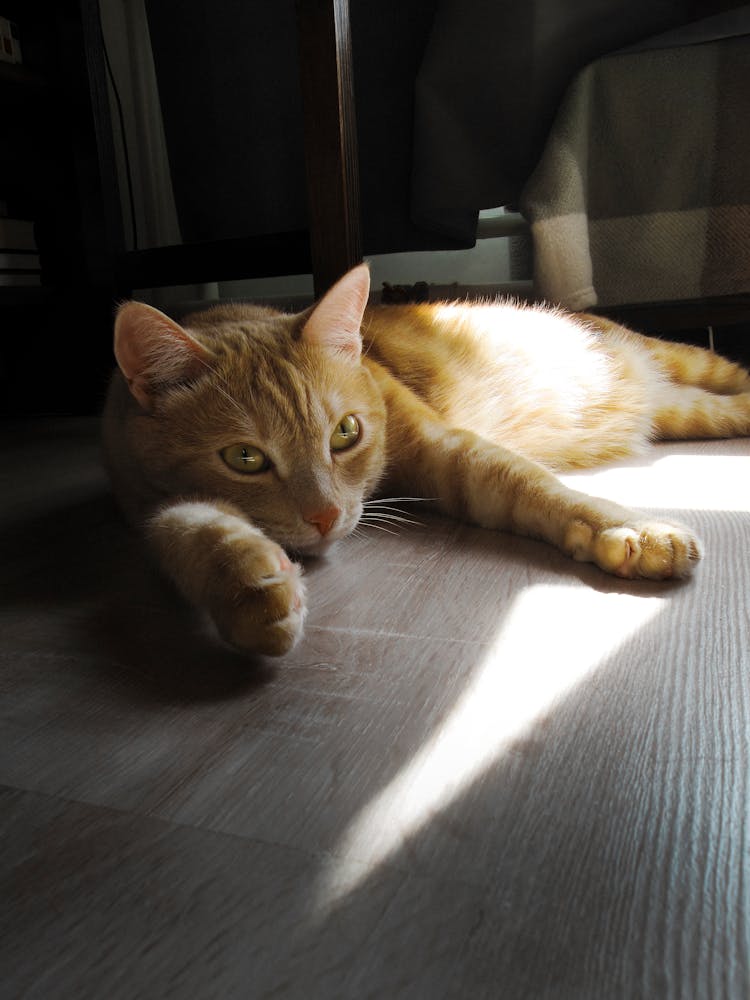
(335, 322)
(154, 352)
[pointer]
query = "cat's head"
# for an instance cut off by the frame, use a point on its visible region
(274, 413)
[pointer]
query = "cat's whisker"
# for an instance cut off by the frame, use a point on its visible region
(378, 516)
(382, 510)
(384, 500)
(386, 508)
(232, 401)
(223, 392)
(391, 522)
(367, 344)
(371, 524)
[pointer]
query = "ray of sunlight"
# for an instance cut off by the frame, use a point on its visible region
(550, 639)
(679, 476)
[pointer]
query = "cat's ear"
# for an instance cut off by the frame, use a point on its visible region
(154, 352)
(334, 323)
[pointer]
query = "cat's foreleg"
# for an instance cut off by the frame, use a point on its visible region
(481, 482)
(502, 490)
(223, 564)
(476, 480)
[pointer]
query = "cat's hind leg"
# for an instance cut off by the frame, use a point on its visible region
(685, 364)
(685, 412)
(229, 568)
(682, 364)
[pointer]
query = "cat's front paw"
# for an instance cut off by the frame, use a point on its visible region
(655, 550)
(258, 600)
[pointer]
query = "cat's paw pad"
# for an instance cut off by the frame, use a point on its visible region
(654, 550)
(260, 606)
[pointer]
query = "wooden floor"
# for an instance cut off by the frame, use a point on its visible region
(486, 772)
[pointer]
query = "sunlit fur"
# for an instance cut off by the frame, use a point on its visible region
(473, 406)
(568, 391)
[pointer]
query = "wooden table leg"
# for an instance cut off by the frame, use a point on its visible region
(325, 60)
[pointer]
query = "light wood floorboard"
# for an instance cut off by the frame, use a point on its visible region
(486, 771)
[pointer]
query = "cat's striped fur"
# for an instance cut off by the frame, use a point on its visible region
(475, 406)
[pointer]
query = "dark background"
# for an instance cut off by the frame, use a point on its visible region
(231, 100)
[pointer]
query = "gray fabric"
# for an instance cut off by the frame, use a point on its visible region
(492, 77)
(642, 193)
(229, 92)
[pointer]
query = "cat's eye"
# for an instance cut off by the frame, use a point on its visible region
(245, 458)
(346, 433)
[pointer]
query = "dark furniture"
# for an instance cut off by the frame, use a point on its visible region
(59, 169)
(57, 166)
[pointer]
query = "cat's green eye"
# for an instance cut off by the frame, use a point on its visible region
(346, 433)
(245, 458)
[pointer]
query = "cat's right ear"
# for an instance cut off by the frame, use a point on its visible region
(334, 323)
(154, 352)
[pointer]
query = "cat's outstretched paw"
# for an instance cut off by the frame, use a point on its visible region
(655, 550)
(259, 605)
(221, 563)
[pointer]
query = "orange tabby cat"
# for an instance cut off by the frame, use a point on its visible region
(246, 434)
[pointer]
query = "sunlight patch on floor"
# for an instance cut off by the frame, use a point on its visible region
(550, 639)
(685, 480)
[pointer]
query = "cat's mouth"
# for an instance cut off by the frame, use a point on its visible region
(321, 544)
(318, 548)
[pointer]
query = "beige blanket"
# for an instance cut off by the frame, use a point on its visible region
(643, 191)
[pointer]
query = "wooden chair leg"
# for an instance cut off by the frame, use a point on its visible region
(325, 60)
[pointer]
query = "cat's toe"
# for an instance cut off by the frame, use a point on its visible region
(269, 619)
(265, 615)
(269, 638)
(652, 550)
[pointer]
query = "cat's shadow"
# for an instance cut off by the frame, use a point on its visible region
(93, 588)
(526, 557)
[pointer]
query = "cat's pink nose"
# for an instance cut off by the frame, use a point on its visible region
(324, 519)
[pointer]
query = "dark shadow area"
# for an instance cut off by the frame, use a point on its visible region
(83, 570)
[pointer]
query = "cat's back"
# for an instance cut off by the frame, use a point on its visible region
(501, 332)
(451, 346)
(529, 377)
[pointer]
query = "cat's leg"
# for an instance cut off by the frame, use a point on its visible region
(683, 364)
(475, 480)
(686, 365)
(685, 412)
(503, 490)
(226, 566)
